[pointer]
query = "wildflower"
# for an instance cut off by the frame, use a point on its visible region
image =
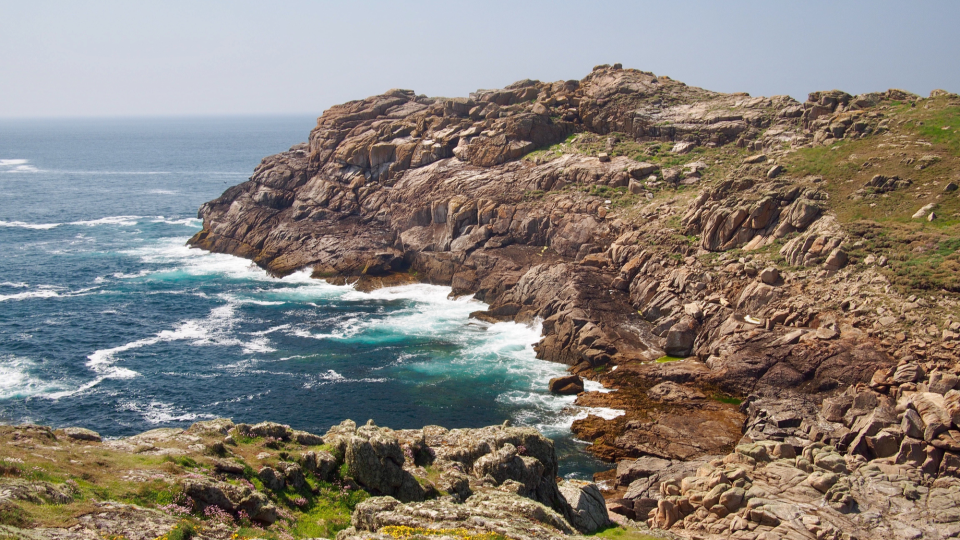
(299, 501)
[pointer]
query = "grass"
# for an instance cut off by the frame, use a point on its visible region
(665, 359)
(327, 513)
(185, 530)
(729, 400)
(13, 515)
(622, 533)
(923, 255)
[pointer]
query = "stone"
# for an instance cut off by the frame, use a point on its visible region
(922, 212)
(951, 186)
(567, 385)
(669, 391)
(732, 498)
(271, 429)
(949, 465)
(822, 481)
(930, 407)
(683, 147)
(375, 460)
(941, 382)
(774, 171)
(836, 260)
(912, 452)
(681, 337)
(271, 479)
(830, 461)
(770, 275)
(82, 434)
(307, 439)
(834, 408)
(603, 157)
(492, 512)
(907, 373)
(883, 444)
(912, 425)
(589, 508)
(629, 470)
(826, 333)
(322, 464)
(216, 425)
(756, 158)
(951, 404)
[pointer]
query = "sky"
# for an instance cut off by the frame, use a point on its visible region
(236, 57)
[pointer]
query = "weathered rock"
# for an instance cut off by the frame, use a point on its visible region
(769, 275)
(81, 434)
(567, 385)
(375, 460)
(589, 509)
(681, 337)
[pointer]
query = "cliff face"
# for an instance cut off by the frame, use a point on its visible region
(779, 248)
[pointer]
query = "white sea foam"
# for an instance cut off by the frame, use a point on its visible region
(23, 225)
(332, 377)
(41, 293)
(17, 379)
(47, 291)
(186, 222)
(16, 166)
(158, 412)
(176, 257)
(14, 285)
(162, 192)
(124, 221)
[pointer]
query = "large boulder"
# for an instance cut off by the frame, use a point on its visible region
(498, 512)
(681, 337)
(589, 509)
(566, 386)
(375, 460)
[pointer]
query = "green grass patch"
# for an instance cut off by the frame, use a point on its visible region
(729, 400)
(152, 493)
(665, 359)
(327, 513)
(185, 530)
(622, 533)
(933, 122)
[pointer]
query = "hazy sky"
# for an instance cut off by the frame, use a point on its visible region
(122, 58)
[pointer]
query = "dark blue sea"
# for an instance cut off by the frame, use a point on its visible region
(108, 321)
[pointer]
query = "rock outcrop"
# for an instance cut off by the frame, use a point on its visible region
(687, 248)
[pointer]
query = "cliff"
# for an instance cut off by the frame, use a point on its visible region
(692, 249)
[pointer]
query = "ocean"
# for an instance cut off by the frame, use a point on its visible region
(108, 321)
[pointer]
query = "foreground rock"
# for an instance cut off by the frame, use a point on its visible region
(215, 477)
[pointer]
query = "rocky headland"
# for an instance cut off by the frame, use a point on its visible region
(769, 286)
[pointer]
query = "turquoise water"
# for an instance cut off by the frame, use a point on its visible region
(108, 321)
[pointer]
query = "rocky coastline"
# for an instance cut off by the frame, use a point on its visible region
(769, 287)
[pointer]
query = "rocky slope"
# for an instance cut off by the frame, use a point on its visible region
(218, 480)
(686, 247)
